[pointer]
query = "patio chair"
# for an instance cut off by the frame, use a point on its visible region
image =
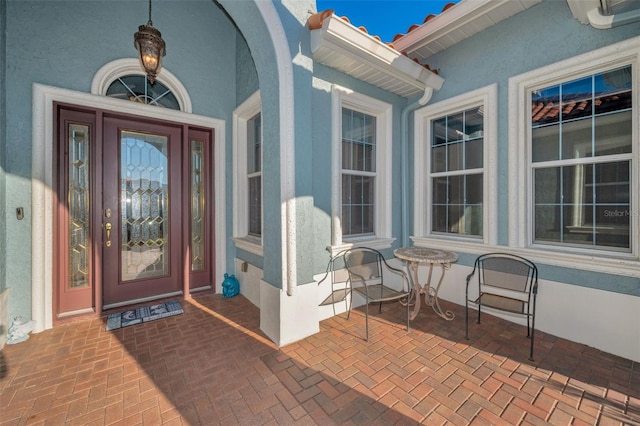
(368, 271)
(508, 283)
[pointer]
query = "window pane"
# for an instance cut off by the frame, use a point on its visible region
(576, 99)
(454, 156)
(613, 90)
(613, 133)
(545, 142)
(440, 190)
(544, 106)
(439, 218)
(254, 144)
(474, 189)
(576, 139)
(455, 127)
(438, 159)
(473, 155)
(255, 206)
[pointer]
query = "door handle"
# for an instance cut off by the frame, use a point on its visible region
(107, 226)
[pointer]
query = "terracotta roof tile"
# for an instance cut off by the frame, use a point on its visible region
(426, 19)
(315, 22)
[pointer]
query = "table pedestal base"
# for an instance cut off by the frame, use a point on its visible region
(430, 292)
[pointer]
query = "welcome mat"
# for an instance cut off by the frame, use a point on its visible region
(143, 314)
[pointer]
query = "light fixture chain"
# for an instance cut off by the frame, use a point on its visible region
(150, 23)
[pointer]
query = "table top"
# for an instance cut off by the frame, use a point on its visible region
(425, 255)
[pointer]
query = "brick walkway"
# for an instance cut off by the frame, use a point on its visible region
(212, 365)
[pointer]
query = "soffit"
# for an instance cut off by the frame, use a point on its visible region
(457, 23)
(339, 45)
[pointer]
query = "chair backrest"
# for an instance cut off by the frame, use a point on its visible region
(363, 264)
(507, 271)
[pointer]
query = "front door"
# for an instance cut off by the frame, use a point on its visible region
(141, 202)
(134, 210)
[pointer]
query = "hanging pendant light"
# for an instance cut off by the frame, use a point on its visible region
(151, 48)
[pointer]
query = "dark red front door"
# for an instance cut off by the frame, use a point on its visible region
(142, 214)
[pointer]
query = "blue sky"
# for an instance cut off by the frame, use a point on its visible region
(384, 18)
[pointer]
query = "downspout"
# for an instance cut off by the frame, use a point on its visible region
(404, 135)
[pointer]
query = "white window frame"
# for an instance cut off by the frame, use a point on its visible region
(241, 116)
(520, 169)
(346, 98)
(487, 97)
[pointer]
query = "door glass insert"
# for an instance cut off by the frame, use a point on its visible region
(144, 204)
(78, 146)
(197, 206)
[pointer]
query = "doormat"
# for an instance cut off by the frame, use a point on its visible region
(143, 314)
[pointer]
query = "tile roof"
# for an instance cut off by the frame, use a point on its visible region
(426, 19)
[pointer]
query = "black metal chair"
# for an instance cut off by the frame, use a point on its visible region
(367, 269)
(508, 283)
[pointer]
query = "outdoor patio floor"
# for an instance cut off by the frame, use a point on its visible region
(213, 365)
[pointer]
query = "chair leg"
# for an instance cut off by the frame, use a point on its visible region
(466, 318)
(366, 320)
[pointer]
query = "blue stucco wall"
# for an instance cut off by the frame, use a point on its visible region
(63, 43)
(542, 35)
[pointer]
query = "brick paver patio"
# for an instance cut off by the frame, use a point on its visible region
(212, 365)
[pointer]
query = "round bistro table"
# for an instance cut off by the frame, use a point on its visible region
(413, 257)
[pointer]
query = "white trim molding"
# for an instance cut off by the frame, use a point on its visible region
(42, 181)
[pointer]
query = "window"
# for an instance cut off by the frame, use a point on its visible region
(574, 158)
(455, 180)
(254, 174)
(247, 176)
(358, 173)
(581, 151)
(362, 171)
(456, 172)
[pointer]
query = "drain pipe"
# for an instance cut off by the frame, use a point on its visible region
(404, 135)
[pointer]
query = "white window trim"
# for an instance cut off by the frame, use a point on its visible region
(342, 97)
(487, 97)
(520, 185)
(241, 115)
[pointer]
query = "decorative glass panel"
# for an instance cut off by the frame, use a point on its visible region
(197, 207)
(136, 88)
(78, 205)
(144, 192)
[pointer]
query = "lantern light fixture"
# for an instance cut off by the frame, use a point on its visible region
(151, 48)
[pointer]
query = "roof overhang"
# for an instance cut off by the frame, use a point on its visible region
(459, 22)
(340, 45)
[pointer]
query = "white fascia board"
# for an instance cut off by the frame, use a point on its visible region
(338, 35)
(452, 20)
